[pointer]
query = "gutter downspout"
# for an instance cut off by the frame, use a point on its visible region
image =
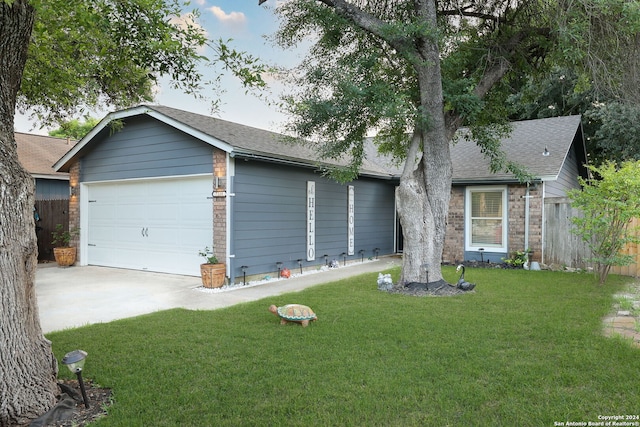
(526, 218)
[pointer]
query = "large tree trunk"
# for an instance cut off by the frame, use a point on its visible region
(28, 368)
(424, 192)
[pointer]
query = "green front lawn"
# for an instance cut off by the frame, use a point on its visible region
(525, 349)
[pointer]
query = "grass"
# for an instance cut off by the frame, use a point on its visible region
(525, 349)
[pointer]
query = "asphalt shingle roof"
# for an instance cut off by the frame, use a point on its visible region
(524, 145)
(38, 153)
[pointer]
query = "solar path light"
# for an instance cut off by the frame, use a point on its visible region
(75, 362)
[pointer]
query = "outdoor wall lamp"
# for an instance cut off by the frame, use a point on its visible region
(75, 362)
(73, 190)
(300, 264)
(279, 265)
(244, 273)
(361, 252)
(220, 183)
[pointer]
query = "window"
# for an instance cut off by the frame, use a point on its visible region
(486, 218)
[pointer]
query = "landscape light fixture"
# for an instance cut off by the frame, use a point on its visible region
(426, 267)
(279, 265)
(481, 250)
(244, 273)
(326, 259)
(300, 265)
(74, 360)
(344, 258)
(361, 252)
(376, 251)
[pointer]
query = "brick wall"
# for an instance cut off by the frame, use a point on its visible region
(454, 240)
(220, 207)
(74, 206)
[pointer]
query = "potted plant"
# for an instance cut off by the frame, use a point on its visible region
(213, 273)
(64, 254)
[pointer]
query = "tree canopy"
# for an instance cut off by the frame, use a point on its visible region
(103, 53)
(74, 129)
(57, 57)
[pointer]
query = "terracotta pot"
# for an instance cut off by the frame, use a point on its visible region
(65, 257)
(213, 275)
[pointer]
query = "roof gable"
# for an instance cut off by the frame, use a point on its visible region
(234, 138)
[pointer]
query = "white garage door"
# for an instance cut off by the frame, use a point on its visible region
(156, 225)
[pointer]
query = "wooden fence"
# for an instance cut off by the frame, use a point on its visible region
(563, 248)
(51, 212)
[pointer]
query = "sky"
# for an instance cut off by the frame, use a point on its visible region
(246, 24)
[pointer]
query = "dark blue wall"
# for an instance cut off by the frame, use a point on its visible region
(144, 148)
(269, 217)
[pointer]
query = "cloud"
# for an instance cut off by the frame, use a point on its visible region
(233, 18)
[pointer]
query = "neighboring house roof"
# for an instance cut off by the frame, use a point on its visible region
(38, 153)
(234, 138)
(524, 145)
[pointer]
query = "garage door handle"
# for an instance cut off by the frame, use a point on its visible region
(142, 231)
(146, 232)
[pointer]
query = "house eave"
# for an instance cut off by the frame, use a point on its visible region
(58, 177)
(317, 166)
(491, 181)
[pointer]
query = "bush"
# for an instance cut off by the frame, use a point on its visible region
(609, 202)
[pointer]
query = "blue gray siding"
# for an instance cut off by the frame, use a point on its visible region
(269, 217)
(52, 189)
(567, 178)
(146, 148)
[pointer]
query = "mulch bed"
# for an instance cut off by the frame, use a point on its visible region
(99, 400)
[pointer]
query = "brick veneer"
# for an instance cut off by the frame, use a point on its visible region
(220, 207)
(454, 240)
(74, 206)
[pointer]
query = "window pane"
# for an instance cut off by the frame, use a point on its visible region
(487, 218)
(486, 204)
(486, 232)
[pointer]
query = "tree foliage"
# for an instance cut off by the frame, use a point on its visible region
(74, 129)
(617, 130)
(608, 202)
(104, 53)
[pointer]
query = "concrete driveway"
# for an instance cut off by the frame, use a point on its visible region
(78, 296)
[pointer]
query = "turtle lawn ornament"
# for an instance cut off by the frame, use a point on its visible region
(294, 313)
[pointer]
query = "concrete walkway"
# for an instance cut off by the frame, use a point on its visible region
(78, 296)
(625, 323)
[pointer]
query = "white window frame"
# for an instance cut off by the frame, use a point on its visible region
(467, 218)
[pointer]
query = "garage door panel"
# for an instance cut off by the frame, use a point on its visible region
(156, 225)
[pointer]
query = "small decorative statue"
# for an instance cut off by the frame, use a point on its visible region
(294, 313)
(462, 283)
(384, 282)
